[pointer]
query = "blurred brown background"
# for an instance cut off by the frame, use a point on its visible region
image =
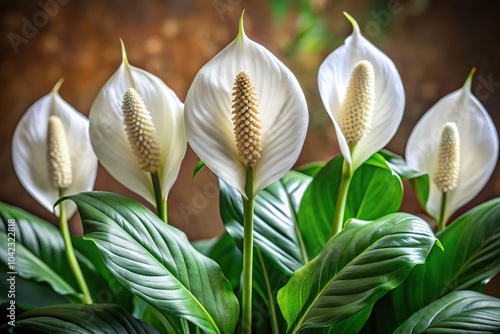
(433, 44)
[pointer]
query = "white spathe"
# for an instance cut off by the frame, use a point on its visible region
(478, 147)
(109, 137)
(281, 103)
(333, 77)
(29, 151)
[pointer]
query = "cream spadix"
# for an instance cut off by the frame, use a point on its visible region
(448, 158)
(54, 134)
(58, 157)
(358, 75)
(276, 110)
(467, 171)
(157, 110)
(141, 133)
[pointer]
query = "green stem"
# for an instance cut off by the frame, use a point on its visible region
(442, 220)
(248, 204)
(161, 205)
(73, 263)
(338, 216)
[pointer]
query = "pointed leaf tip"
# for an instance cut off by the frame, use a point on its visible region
(58, 85)
(124, 52)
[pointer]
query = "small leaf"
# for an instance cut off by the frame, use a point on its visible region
(199, 166)
(457, 312)
(355, 268)
(82, 319)
(375, 191)
(156, 262)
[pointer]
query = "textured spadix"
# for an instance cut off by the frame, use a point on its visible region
(109, 137)
(448, 158)
(58, 157)
(281, 105)
(30, 147)
(388, 95)
(478, 147)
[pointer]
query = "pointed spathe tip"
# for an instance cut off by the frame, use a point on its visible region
(124, 53)
(241, 30)
(353, 22)
(58, 85)
(468, 81)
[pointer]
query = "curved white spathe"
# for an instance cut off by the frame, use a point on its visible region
(333, 77)
(29, 151)
(281, 103)
(478, 147)
(109, 138)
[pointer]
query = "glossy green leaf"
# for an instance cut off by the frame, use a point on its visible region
(39, 250)
(81, 319)
(268, 279)
(224, 251)
(457, 312)
(421, 187)
(163, 323)
(275, 219)
(356, 267)
(156, 262)
(351, 324)
(471, 257)
(398, 165)
(375, 191)
(29, 294)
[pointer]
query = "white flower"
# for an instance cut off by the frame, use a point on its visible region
(247, 82)
(362, 92)
(108, 132)
(478, 149)
(62, 161)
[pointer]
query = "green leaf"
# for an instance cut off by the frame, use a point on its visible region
(268, 279)
(224, 251)
(311, 169)
(156, 262)
(275, 222)
(375, 191)
(81, 319)
(39, 250)
(398, 165)
(421, 187)
(352, 324)
(199, 166)
(356, 267)
(457, 312)
(29, 293)
(471, 257)
(161, 322)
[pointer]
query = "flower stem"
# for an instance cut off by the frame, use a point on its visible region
(161, 205)
(70, 254)
(248, 205)
(442, 221)
(338, 216)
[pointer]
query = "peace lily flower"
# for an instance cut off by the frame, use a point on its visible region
(246, 109)
(246, 118)
(456, 144)
(137, 132)
(362, 92)
(51, 151)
